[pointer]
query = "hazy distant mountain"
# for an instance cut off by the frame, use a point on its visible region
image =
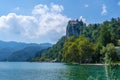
(8, 49)
(25, 54)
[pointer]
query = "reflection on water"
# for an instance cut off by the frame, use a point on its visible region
(50, 71)
(112, 72)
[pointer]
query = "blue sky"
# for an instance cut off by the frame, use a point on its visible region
(40, 21)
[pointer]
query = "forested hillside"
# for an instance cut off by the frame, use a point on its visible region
(86, 43)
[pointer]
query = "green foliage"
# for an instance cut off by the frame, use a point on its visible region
(55, 51)
(110, 56)
(70, 47)
(91, 31)
(110, 31)
(105, 36)
(109, 53)
(39, 55)
(78, 50)
(85, 48)
(75, 48)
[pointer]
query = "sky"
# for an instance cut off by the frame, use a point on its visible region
(45, 21)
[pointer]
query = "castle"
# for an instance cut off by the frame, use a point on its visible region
(74, 27)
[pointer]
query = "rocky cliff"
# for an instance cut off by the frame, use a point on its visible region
(74, 28)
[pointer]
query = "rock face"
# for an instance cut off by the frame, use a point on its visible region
(74, 28)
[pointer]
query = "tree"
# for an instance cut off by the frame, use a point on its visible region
(55, 51)
(105, 36)
(110, 56)
(109, 53)
(85, 48)
(71, 54)
(69, 49)
(78, 51)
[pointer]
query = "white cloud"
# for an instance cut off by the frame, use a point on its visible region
(46, 23)
(104, 9)
(40, 9)
(56, 8)
(18, 24)
(86, 5)
(119, 3)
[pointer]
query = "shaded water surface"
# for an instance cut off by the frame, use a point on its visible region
(49, 71)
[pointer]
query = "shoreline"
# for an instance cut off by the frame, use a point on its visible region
(89, 64)
(99, 64)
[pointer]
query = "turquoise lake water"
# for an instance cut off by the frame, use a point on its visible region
(50, 71)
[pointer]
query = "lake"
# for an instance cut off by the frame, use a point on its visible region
(50, 71)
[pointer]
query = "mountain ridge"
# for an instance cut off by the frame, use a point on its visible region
(8, 48)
